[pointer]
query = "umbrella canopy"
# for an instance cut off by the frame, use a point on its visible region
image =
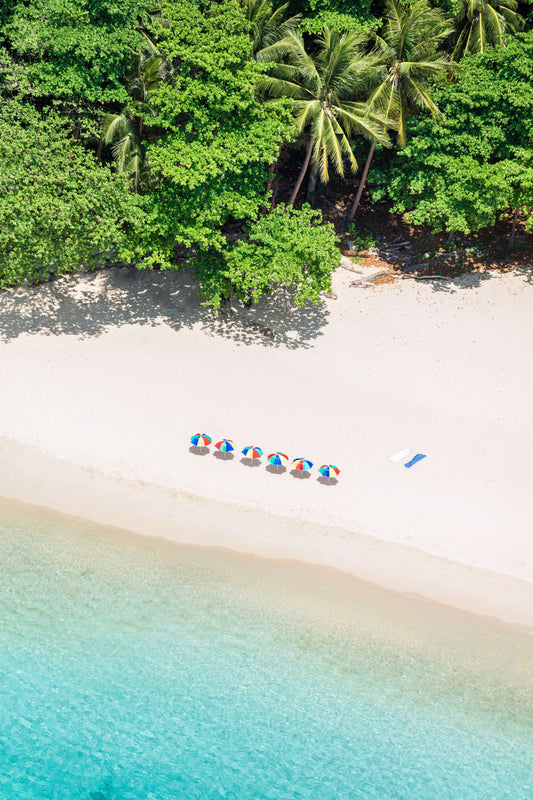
(329, 470)
(302, 464)
(225, 445)
(201, 440)
(278, 459)
(252, 452)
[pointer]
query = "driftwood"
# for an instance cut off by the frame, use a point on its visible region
(367, 280)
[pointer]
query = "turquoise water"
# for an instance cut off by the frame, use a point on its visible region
(132, 668)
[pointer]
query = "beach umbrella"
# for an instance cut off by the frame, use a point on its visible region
(302, 464)
(278, 459)
(252, 452)
(225, 446)
(329, 471)
(201, 440)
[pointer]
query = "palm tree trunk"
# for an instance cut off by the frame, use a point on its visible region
(513, 229)
(275, 187)
(272, 186)
(302, 173)
(362, 182)
(312, 180)
(99, 151)
(272, 171)
(137, 176)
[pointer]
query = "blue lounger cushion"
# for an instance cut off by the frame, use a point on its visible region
(414, 460)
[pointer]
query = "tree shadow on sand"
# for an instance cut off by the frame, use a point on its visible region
(471, 280)
(87, 305)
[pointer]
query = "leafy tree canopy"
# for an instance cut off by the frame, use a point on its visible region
(286, 248)
(59, 210)
(218, 138)
(76, 49)
(339, 15)
(459, 171)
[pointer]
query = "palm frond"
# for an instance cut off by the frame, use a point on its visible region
(116, 125)
(267, 25)
(278, 87)
(418, 95)
(479, 23)
(357, 118)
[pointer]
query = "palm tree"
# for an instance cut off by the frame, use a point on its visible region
(480, 23)
(322, 87)
(406, 58)
(126, 129)
(267, 26)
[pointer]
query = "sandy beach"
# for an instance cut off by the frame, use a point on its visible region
(109, 374)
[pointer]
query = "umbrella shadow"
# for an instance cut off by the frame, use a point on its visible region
(275, 470)
(301, 474)
(224, 456)
(198, 450)
(250, 462)
(327, 481)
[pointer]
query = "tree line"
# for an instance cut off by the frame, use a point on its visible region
(159, 135)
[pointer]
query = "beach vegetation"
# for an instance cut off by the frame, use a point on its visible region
(59, 209)
(479, 24)
(406, 59)
(289, 248)
(268, 25)
(217, 138)
(207, 134)
(128, 129)
(474, 163)
(323, 86)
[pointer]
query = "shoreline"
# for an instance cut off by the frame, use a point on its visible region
(40, 480)
(113, 371)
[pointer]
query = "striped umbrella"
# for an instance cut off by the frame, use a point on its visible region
(302, 464)
(252, 452)
(225, 446)
(329, 471)
(278, 459)
(201, 440)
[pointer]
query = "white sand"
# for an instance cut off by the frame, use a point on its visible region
(115, 371)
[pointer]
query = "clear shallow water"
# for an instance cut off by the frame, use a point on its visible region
(134, 669)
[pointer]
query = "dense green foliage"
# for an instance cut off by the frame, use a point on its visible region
(407, 59)
(129, 128)
(268, 25)
(475, 161)
(323, 89)
(217, 137)
(289, 248)
(340, 15)
(482, 23)
(59, 209)
(164, 133)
